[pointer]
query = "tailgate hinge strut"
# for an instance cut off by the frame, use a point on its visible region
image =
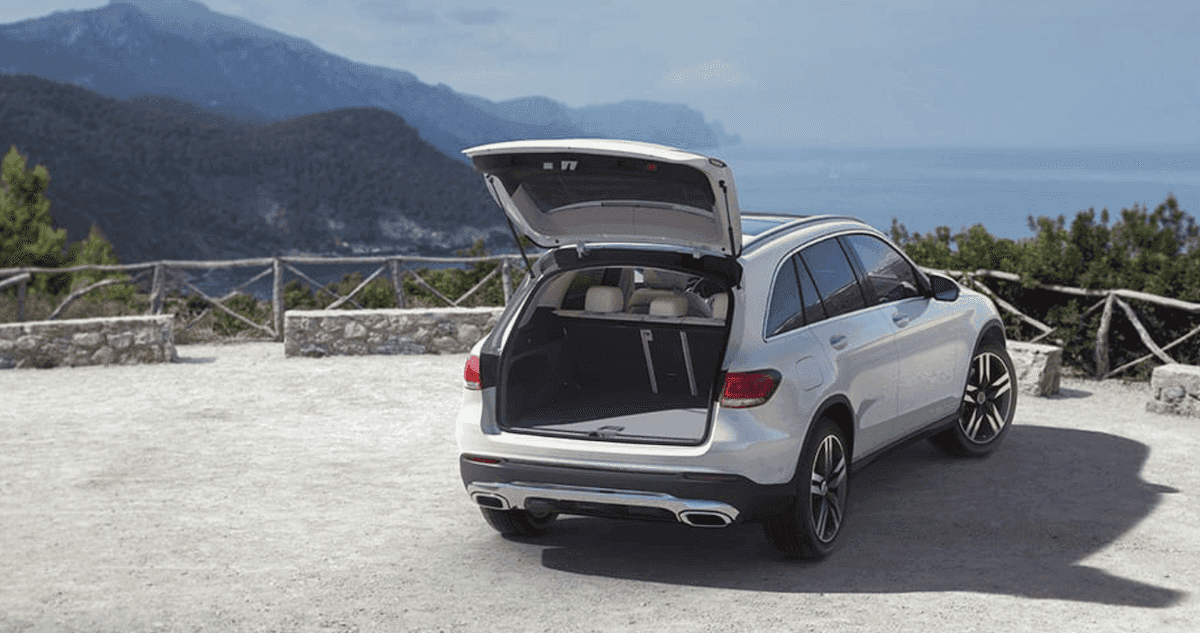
(647, 336)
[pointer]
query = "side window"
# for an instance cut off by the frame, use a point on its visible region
(834, 278)
(813, 309)
(786, 312)
(888, 273)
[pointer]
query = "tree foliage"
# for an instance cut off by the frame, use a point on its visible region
(1155, 251)
(96, 249)
(1151, 251)
(27, 234)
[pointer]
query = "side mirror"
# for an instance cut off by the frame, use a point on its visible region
(944, 288)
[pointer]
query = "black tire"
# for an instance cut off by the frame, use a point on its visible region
(988, 404)
(812, 524)
(518, 522)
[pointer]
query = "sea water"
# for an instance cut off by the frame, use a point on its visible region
(922, 188)
(925, 188)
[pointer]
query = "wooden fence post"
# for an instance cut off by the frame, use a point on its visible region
(397, 282)
(21, 299)
(277, 297)
(504, 280)
(156, 289)
(1102, 337)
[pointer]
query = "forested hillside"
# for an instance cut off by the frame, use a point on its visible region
(188, 184)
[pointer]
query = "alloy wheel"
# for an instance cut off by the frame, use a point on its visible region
(828, 490)
(987, 399)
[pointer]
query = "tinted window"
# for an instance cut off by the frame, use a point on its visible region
(813, 310)
(888, 273)
(834, 278)
(786, 312)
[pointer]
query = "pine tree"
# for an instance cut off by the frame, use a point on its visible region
(96, 249)
(27, 236)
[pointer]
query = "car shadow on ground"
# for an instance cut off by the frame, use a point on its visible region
(1017, 523)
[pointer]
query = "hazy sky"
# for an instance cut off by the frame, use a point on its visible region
(860, 72)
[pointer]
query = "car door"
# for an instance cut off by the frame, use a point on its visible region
(857, 337)
(931, 336)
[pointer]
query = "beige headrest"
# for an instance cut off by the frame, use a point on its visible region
(603, 299)
(668, 306)
(720, 305)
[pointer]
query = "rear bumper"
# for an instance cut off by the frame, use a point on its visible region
(696, 499)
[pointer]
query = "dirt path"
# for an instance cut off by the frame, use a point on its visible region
(242, 491)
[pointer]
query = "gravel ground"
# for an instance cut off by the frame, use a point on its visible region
(238, 490)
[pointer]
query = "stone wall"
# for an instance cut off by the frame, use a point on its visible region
(1038, 367)
(1175, 389)
(75, 342)
(388, 331)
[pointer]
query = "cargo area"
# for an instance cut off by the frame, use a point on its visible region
(621, 353)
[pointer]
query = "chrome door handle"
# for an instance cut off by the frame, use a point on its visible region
(838, 342)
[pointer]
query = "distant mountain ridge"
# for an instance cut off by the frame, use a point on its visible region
(163, 178)
(232, 67)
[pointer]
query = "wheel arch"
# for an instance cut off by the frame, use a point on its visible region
(838, 409)
(991, 332)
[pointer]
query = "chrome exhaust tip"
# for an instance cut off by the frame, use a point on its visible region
(704, 518)
(493, 501)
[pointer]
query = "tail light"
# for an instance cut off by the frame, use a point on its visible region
(749, 389)
(471, 373)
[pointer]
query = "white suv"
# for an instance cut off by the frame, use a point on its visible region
(670, 358)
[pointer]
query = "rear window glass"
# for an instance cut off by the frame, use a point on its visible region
(557, 180)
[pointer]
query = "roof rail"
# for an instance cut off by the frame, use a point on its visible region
(800, 221)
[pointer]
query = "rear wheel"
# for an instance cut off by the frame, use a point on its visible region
(988, 404)
(519, 522)
(812, 523)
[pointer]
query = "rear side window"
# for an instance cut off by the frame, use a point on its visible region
(786, 312)
(794, 300)
(834, 278)
(889, 274)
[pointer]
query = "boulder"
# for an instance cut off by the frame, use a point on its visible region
(1175, 389)
(1038, 367)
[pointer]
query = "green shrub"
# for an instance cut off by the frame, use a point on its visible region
(1157, 252)
(257, 311)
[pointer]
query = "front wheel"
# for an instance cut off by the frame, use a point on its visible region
(519, 522)
(988, 404)
(811, 524)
